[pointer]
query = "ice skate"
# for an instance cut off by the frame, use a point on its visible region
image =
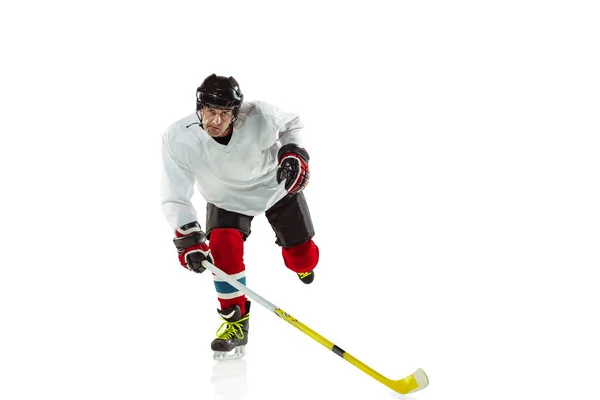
(306, 277)
(232, 335)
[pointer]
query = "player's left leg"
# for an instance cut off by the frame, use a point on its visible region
(291, 221)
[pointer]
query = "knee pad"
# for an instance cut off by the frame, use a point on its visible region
(227, 249)
(301, 258)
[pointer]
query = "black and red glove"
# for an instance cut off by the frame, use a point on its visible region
(190, 241)
(293, 168)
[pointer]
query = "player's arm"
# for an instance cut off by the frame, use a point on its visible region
(177, 188)
(292, 156)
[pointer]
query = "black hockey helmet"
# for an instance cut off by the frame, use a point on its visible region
(219, 92)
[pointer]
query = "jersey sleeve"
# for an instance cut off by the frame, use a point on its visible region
(289, 128)
(177, 188)
(285, 126)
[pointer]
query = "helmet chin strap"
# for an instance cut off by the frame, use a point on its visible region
(199, 118)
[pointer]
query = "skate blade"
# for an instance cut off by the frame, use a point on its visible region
(234, 354)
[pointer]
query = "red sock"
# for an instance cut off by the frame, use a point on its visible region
(227, 249)
(301, 258)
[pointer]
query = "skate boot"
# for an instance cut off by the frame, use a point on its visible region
(232, 335)
(306, 277)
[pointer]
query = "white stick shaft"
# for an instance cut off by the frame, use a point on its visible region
(239, 286)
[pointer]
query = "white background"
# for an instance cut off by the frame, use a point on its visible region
(455, 191)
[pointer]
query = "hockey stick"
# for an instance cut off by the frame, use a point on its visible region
(410, 384)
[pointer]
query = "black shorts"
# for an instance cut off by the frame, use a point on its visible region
(289, 218)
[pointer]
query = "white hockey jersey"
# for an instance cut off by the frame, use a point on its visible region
(239, 176)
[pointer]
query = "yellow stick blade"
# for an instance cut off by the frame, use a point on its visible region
(412, 383)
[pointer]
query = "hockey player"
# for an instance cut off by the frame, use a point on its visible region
(246, 159)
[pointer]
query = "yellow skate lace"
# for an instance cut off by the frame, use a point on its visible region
(227, 330)
(303, 275)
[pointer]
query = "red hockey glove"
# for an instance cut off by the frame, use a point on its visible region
(190, 241)
(293, 168)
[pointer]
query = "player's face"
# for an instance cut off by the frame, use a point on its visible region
(216, 121)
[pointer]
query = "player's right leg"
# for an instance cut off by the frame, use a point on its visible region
(227, 232)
